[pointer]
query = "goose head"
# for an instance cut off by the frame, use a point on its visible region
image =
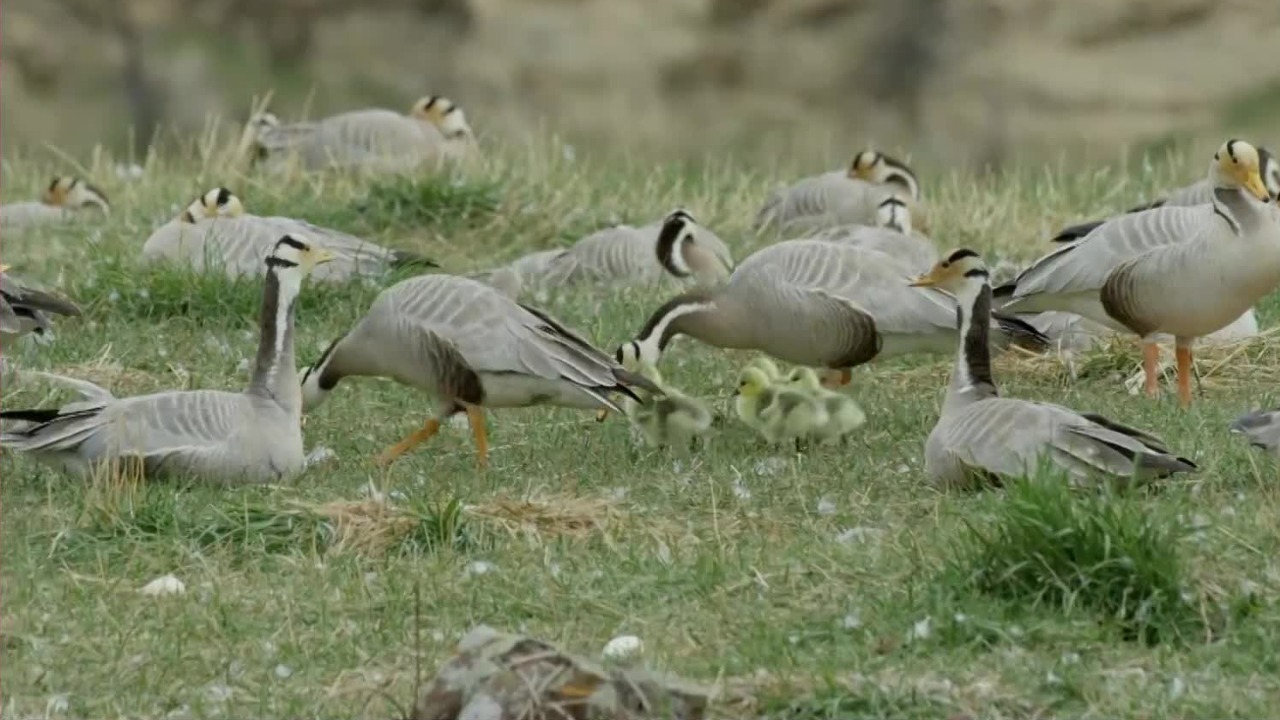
(445, 115)
(1238, 166)
(315, 386)
(874, 166)
(1270, 172)
(751, 382)
(805, 378)
(73, 193)
(683, 253)
(663, 325)
(960, 273)
(892, 213)
(295, 253)
(218, 202)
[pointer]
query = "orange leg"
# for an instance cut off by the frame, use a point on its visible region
(1150, 363)
(601, 414)
(429, 429)
(475, 418)
(1184, 376)
(837, 379)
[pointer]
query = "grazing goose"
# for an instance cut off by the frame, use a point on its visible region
(59, 203)
(840, 197)
(252, 436)
(892, 235)
(471, 347)
(1185, 272)
(434, 129)
(1261, 428)
(815, 303)
(216, 231)
(983, 435)
(676, 246)
(24, 309)
(1197, 193)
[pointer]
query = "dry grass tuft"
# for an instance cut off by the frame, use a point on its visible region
(368, 527)
(554, 516)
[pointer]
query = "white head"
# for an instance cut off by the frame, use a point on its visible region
(662, 326)
(1270, 172)
(683, 253)
(316, 383)
(892, 213)
(962, 273)
(292, 258)
(73, 193)
(445, 115)
(218, 202)
(876, 167)
(1238, 166)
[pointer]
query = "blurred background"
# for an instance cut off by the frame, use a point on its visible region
(979, 82)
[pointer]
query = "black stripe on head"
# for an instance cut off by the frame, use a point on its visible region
(53, 185)
(431, 102)
(977, 272)
(279, 262)
(292, 242)
(894, 201)
(96, 191)
(698, 295)
(452, 109)
(668, 240)
(961, 254)
(1231, 149)
(224, 196)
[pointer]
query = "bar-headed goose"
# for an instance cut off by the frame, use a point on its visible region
(839, 197)
(815, 303)
(981, 435)
(61, 201)
(231, 437)
(1197, 193)
(472, 347)
(434, 129)
(25, 309)
(1261, 428)
(892, 235)
(673, 247)
(214, 231)
(1185, 272)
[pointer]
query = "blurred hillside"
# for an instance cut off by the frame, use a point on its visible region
(956, 80)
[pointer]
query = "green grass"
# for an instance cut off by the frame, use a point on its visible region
(834, 584)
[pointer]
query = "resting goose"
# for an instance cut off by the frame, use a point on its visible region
(1197, 193)
(25, 309)
(434, 129)
(983, 435)
(674, 247)
(61, 201)
(215, 231)
(472, 347)
(1261, 428)
(1185, 272)
(892, 235)
(253, 436)
(814, 303)
(840, 197)
(512, 278)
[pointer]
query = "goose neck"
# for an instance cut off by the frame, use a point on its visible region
(275, 374)
(971, 379)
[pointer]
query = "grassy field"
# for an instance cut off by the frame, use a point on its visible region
(829, 584)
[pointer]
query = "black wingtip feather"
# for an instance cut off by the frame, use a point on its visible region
(1023, 333)
(37, 415)
(410, 259)
(1075, 232)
